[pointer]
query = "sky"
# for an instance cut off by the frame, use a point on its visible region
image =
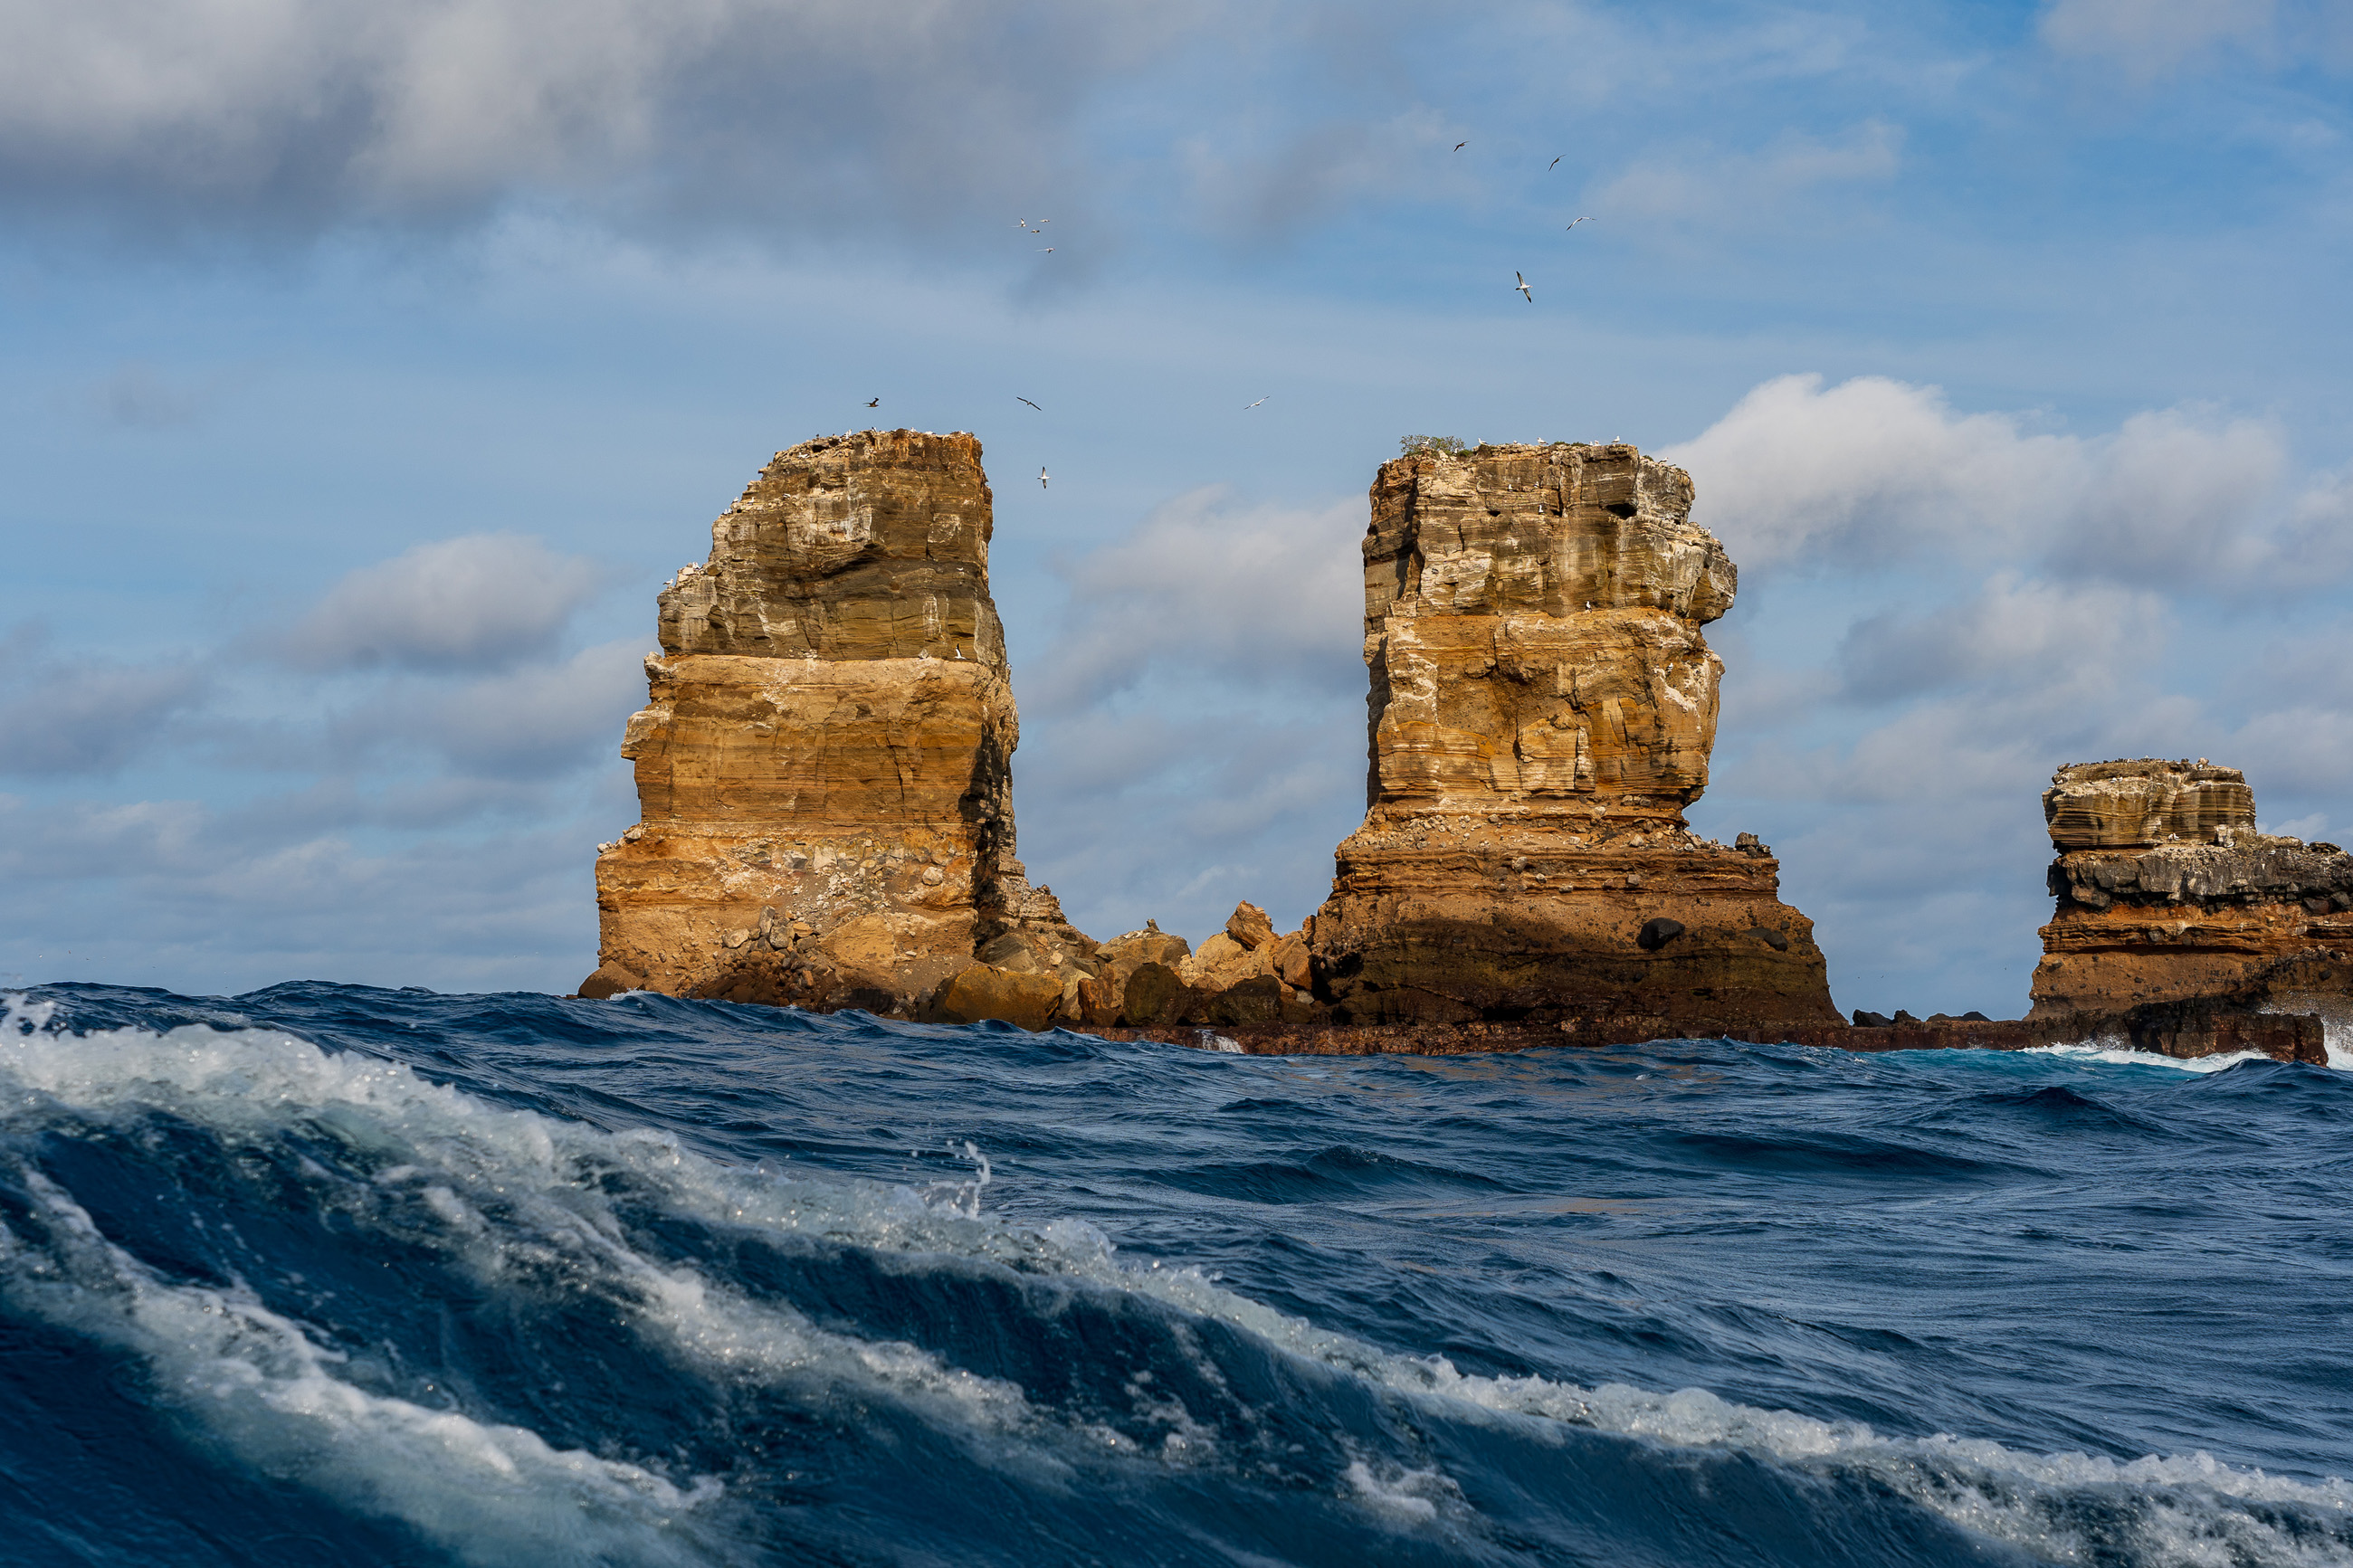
(368, 368)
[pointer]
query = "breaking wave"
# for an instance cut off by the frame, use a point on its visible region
(324, 1274)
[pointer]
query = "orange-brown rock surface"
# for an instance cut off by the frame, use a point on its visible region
(1542, 709)
(824, 766)
(2167, 893)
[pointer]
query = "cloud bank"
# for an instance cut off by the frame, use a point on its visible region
(792, 115)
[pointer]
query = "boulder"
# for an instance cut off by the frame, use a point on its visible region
(609, 980)
(1154, 995)
(1259, 1000)
(1026, 999)
(1249, 927)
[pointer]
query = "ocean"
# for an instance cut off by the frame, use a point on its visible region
(325, 1273)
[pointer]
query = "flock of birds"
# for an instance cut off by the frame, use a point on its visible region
(1519, 285)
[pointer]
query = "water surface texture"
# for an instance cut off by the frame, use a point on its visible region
(325, 1275)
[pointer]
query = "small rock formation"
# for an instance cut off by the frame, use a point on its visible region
(1542, 709)
(824, 765)
(2166, 894)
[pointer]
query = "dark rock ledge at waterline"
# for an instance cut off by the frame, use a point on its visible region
(824, 772)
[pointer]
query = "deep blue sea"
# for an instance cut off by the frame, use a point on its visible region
(330, 1274)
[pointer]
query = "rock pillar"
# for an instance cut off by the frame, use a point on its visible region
(823, 768)
(2167, 893)
(1542, 709)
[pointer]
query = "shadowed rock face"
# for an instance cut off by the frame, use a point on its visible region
(824, 764)
(1542, 708)
(2167, 893)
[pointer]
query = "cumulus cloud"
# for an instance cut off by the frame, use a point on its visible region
(1874, 471)
(531, 722)
(1256, 594)
(170, 892)
(84, 714)
(298, 114)
(482, 602)
(1207, 680)
(2065, 643)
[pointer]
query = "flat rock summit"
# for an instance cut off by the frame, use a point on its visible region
(824, 772)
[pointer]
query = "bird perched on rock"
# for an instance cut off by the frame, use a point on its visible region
(1521, 285)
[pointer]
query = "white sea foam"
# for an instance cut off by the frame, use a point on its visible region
(259, 1385)
(1411, 1497)
(508, 1196)
(2115, 1055)
(517, 1197)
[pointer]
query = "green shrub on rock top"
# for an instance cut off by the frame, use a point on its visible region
(1409, 445)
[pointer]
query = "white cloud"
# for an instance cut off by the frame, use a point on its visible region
(1874, 471)
(1254, 595)
(792, 113)
(482, 602)
(536, 721)
(2067, 644)
(168, 892)
(82, 714)
(2150, 38)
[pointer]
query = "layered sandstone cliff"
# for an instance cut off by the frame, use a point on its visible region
(1542, 709)
(2167, 893)
(824, 766)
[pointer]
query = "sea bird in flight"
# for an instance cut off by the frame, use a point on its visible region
(873, 403)
(1019, 398)
(1554, 163)
(1459, 145)
(1046, 250)
(1248, 406)
(1580, 220)
(1041, 472)
(1523, 287)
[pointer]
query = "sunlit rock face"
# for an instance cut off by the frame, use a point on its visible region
(1543, 703)
(824, 764)
(2167, 892)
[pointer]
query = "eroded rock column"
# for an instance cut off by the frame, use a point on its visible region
(2167, 893)
(1542, 709)
(823, 768)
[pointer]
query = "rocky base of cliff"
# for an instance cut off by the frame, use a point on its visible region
(1440, 921)
(2237, 920)
(2178, 1031)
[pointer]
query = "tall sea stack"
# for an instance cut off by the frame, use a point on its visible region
(1543, 705)
(823, 768)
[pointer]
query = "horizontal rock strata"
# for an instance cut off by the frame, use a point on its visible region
(1541, 707)
(824, 766)
(2166, 893)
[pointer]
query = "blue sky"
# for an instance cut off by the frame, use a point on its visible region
(368, 368)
